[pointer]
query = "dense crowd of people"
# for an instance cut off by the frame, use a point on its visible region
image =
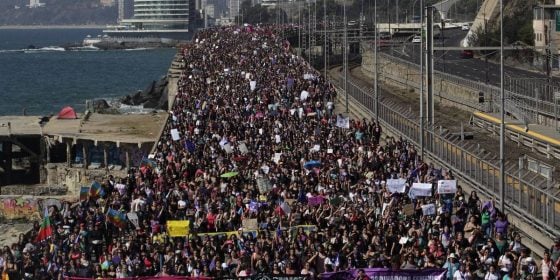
(248, 106)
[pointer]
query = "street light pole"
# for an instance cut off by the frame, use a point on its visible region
(376, 73)
(325, 34)
(502, 113)
(421, 79)
(345, 56)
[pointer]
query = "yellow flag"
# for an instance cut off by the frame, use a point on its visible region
(178, 228)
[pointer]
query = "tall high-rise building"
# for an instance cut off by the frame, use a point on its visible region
(234, 7)
(160, 14)
(156, 18)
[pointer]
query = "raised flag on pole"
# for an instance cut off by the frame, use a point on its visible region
(117, 218)
(46, 229)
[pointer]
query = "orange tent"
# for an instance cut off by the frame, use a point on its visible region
(67, 113)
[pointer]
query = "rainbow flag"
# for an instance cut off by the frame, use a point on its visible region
(96, 190)
(117, 218)
(84, 191)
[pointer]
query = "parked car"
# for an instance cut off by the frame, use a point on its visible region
(465, 27)
(467, 54)
(417, 39)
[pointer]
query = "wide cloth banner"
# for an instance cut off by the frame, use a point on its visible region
(388, 274)
(420, 189)
(178, 228)
(396, 185)
(145, 278)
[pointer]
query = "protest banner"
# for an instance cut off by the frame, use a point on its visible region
(264, 185)
(447, 186)
(396, 185)
(148, 278)
(227, 147)
(387, 273)
(315, 200)
(408, 209)
(250, 224)
(342, 122)
(253, 85)
(175, 134)
(177, 228)
(429, 209)
(243, 147)
(420, 189)
(133, 218)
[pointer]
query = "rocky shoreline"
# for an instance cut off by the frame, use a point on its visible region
(154, 97)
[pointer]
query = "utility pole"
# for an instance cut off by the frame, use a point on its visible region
(309, 29)
(422, 79)
(430, 64)
(299, 28)
(502, 113)
(325, 34)
(345, 56)
(397, 12)
(376, 70)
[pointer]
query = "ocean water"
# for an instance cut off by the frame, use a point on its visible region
(43, 82)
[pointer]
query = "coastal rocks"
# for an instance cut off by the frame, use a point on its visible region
(100, 106)
(153, 97)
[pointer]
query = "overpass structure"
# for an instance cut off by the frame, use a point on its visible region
(443, 7)
(489, 9)
(414, 28)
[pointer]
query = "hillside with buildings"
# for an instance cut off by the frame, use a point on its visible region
(57, 12)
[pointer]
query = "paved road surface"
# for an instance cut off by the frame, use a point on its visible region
(451, 62)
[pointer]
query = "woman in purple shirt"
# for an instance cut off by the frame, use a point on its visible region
(501, 225)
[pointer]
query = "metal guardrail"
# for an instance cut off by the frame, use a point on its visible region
(528, 197)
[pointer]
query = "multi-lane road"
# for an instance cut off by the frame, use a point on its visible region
(452, 62)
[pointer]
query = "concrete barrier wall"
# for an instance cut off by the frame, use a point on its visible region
(29, 208)
(408, 78)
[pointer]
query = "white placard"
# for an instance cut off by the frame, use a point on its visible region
(133, 217)
(396, 185)
(342, 122)
(420, 189)
(429, 209)
(447, 186)
(227, 147)
(329, 151)
(261, 131)
(277, 138)
(223, 142)
(303, 95)
(316, 148)
(243, 148)
(253, 85)
(276, 157)
(175, 134)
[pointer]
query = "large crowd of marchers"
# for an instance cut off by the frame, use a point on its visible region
(249, 108)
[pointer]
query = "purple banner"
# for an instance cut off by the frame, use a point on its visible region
(314, 200)
(385, 273)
